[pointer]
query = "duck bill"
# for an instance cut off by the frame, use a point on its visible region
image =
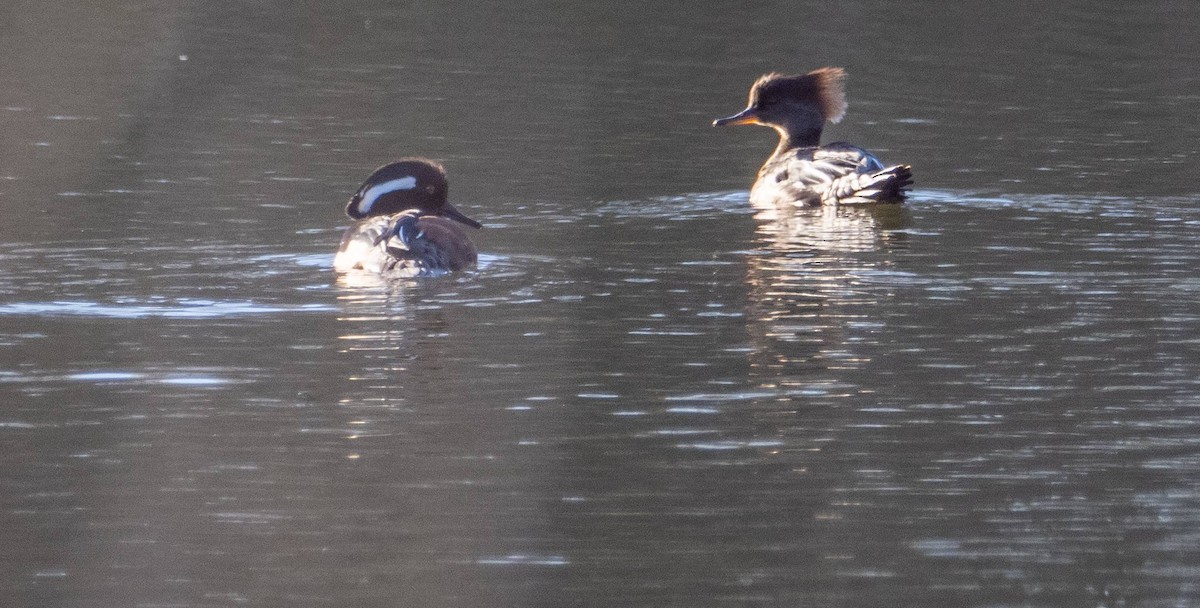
(745, 117)
(451, 212)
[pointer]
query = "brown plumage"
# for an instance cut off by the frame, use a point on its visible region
(826, 87)
(801, 171)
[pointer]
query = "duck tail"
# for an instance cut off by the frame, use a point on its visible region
(884, 186)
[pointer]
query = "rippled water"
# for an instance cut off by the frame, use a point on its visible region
(648, 393)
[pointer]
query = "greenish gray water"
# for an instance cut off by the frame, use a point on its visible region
(648, 394)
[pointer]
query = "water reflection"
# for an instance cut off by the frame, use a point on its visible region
(447, 419)
(785, 230)
(806, 297)
(135, 308)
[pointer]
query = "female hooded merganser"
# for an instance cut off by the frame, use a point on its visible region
(408, 227)
(801, 171)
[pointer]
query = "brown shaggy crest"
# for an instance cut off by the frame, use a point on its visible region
(823, 86)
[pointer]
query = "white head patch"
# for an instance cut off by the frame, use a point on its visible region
(374, 192)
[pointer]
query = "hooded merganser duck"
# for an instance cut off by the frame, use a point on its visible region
(802, 172)
(407, 225)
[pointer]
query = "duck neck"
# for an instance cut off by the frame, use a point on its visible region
(800, 128)
(790, 140)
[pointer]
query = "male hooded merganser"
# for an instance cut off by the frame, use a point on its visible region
(408, 227)
(801, 171)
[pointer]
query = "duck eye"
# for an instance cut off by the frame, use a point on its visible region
(430, 189)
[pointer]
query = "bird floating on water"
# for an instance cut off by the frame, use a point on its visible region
(801, 171)
(407, 226)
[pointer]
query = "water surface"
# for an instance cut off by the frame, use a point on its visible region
(648, 393)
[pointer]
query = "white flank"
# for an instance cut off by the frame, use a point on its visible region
(374, 192)
(352, 256)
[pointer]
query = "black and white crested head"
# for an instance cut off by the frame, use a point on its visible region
(409, 183)
(408, 225)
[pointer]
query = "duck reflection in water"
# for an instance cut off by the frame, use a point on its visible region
(407, 226)
(817, 275)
